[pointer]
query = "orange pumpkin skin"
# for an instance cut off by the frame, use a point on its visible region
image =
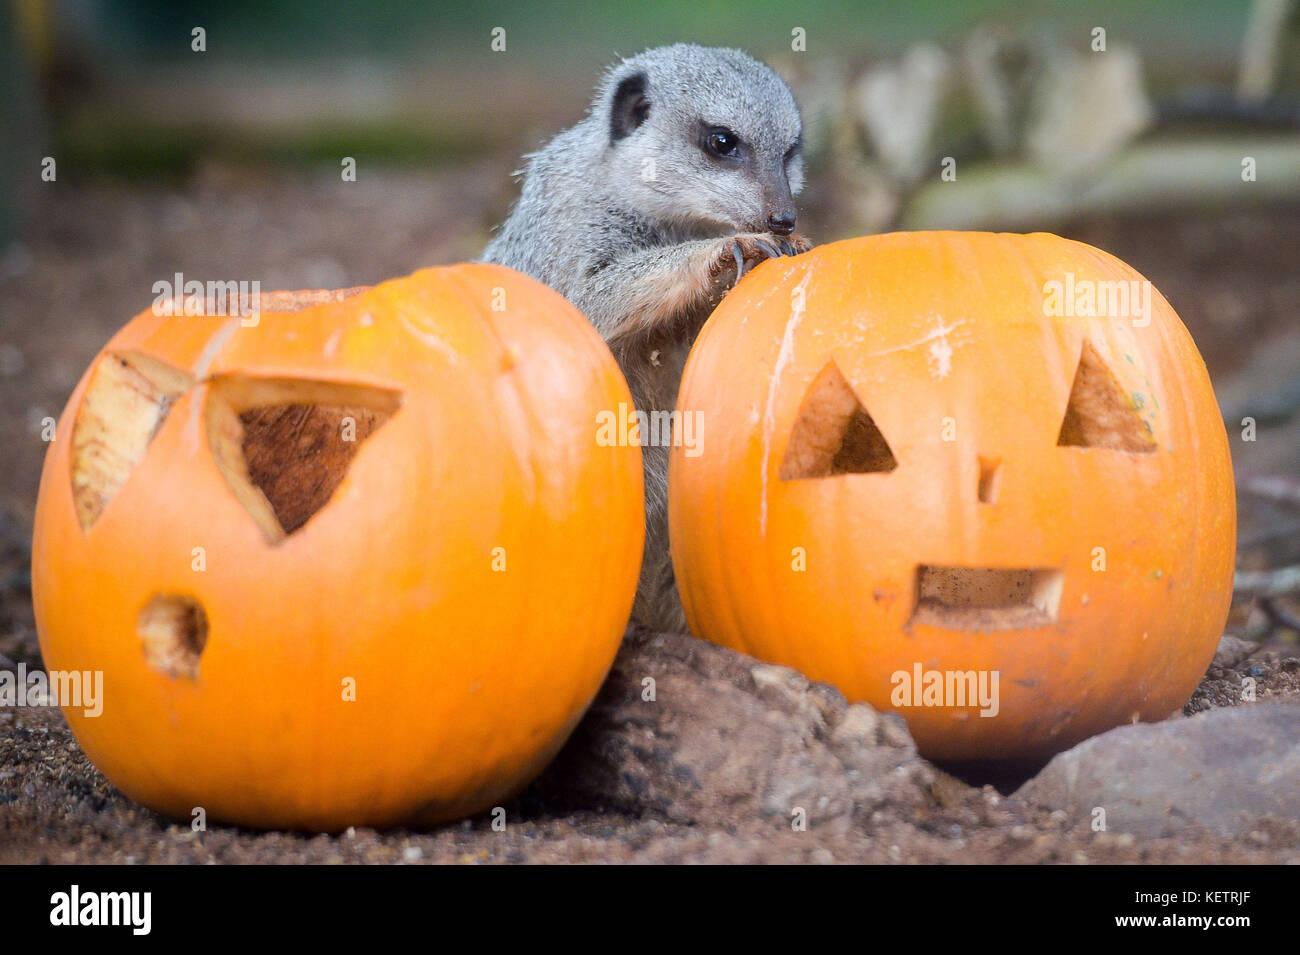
(470, 578)
(944, 341)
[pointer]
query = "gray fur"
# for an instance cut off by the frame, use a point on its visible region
(644, 232)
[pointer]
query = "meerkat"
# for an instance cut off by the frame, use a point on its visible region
(679, 179)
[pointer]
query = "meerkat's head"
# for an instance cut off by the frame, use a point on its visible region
(702, 139)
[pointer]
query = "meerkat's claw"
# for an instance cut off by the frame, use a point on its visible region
(786, 247)
(739, 256)
(768, 249)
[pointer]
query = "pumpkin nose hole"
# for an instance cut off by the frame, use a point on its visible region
(987, 598)
(990, 478)
(173, 631)
(285, 446)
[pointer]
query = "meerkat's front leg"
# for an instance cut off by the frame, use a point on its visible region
(637, 295)
(648, 306)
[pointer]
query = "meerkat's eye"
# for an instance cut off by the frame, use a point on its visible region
(720, 141)
(794, 149)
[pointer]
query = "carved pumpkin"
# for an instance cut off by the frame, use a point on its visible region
(358, 562)
(924, 464)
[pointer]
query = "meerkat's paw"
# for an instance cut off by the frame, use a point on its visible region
(735, 256)
(798, 244)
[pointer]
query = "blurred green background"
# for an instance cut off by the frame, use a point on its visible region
(117, 87)
(418, 81)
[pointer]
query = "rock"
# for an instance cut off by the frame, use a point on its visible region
(1088, 108)
(1001, 66)
(722, 739)
(898, 105)
(1233, 650)
(1223, 769)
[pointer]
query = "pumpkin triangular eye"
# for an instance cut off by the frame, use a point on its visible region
(1100, 414)
(284, 446)
(833, 433)
(126, 402)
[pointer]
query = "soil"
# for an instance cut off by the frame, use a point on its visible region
(590, 805)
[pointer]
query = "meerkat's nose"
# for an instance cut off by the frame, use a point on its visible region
(782, 223)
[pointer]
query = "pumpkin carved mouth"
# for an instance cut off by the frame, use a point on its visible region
(987, 598)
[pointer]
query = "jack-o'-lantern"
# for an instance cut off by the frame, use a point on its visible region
(981, 480)
(354, 559)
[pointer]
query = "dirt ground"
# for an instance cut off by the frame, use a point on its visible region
(89, 263)
(56, 808)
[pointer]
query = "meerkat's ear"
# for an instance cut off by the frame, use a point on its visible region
(630, 106)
